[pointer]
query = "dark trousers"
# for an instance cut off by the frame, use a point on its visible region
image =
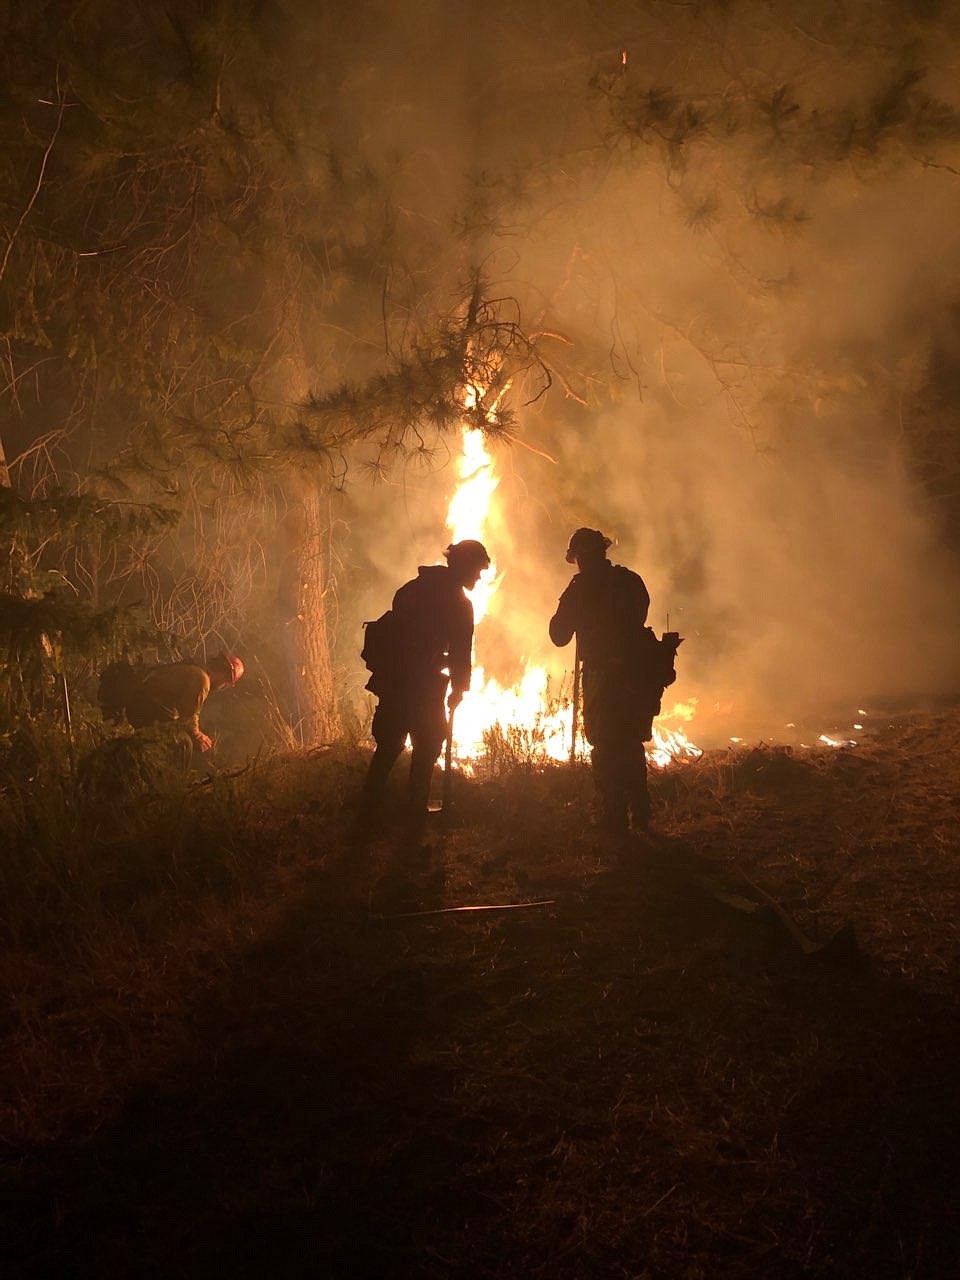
(617, 720)
(418, 714)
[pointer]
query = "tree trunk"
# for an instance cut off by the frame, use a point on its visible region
(304, 581)
(304, 574)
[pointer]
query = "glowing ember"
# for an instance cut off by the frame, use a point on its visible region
(525, 717)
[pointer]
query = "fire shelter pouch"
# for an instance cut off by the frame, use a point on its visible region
(379, 652)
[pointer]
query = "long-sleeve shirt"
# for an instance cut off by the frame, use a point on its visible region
(435, 618)
(173, 692)
(607, 608)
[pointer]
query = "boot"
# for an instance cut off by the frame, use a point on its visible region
(413, 830)
(613, 818)
(369, 817)
(640, 814)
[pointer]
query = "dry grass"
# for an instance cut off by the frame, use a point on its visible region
(217, 1062)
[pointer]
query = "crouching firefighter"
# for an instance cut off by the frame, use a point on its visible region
(625, 671)
(414, 651)
(174, 692)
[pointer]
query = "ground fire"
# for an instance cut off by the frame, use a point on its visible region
(541, 718)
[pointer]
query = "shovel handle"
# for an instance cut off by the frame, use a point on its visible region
(575, 720)
(448, 767)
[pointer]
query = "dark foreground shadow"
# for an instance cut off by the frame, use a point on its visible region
(435, 1100)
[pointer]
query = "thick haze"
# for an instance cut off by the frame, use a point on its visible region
(750, 312)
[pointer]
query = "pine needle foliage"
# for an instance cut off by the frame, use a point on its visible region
(457, 376)
(900, 116)
(78, 629)
(80, 514)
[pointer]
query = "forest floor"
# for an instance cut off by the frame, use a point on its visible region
(254, 1073)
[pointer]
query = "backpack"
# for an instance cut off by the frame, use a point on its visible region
(380, 650)
(653, 671)
(655, 660)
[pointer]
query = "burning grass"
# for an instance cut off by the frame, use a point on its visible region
(216, 1061)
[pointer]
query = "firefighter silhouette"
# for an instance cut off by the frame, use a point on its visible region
(418, 648)
(625, 670)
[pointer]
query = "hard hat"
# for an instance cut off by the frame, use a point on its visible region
(587, 542)
(232, 666)
(468, 552)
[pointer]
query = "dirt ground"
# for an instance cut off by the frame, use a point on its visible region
(637, 1080)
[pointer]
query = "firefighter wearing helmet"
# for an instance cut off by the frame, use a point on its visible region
(418, 648)
(625, 670)
(174, 692)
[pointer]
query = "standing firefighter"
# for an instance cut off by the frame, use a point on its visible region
(625, 670)
(413, 651)
(173, 692)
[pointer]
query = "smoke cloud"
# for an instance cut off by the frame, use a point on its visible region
(742, 221)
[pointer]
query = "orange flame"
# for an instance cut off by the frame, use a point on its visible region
(525, 709)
